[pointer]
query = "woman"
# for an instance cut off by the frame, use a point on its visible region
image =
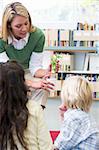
(23, 42)
(22, 126)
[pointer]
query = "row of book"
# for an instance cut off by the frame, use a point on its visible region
(62, 37)
(84, 43)
(86, 26)
(89, 77)
(57, 37)
(87, 38)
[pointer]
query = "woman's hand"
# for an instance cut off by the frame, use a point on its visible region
(41, 84)
(47, 85)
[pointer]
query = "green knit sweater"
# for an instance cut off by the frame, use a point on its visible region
(35, 44)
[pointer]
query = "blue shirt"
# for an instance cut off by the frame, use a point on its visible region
(78, 132)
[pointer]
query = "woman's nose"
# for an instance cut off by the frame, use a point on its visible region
(24, 28)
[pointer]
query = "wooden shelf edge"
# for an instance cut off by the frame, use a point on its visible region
(54, 97)
(71, 49)
(58, 97)
(96, 99)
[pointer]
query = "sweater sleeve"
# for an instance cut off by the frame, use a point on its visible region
(2, 46)
(3, 55)
(35, 62)
(36, 59)
(40, 44)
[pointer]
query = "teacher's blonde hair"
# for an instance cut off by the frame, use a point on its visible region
(10, 12)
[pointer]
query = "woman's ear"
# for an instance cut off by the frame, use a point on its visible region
(9, 24)
(9, 27)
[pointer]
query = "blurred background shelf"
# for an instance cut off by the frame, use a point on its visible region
(71, 49)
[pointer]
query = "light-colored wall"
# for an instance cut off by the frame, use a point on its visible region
(95, 111)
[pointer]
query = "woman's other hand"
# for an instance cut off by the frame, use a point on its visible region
(47, 85)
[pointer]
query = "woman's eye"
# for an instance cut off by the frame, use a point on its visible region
(18, 26)
(26, 23)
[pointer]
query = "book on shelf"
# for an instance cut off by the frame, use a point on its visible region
(53, 37)
(64, 37)
(96, 27)
(86, 62)
(80, 26)
(94, 62)
(91, 62)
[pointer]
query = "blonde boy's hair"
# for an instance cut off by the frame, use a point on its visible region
(76, 93)
(10, 12)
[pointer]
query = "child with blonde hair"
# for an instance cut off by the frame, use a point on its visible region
(78, 131)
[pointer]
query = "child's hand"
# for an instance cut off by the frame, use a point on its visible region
(62, 110)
